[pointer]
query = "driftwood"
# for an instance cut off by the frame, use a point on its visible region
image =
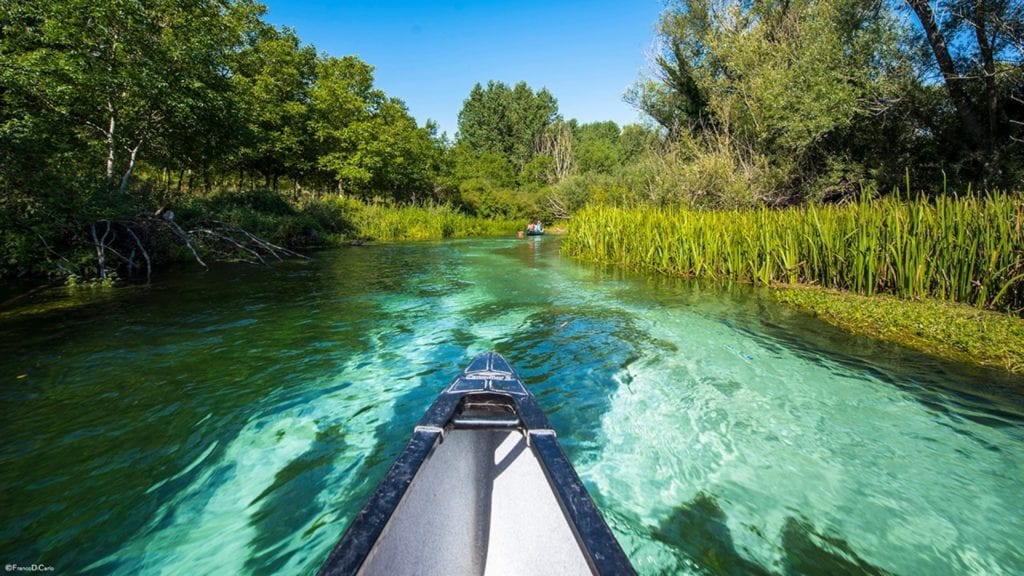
(217, 236)
(128, 245)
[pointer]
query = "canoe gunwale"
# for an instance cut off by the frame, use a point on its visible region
(488, 394)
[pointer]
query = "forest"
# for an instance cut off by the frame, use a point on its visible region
(117, 114)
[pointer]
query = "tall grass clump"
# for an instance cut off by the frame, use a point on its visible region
(968, 249)
(436, 222)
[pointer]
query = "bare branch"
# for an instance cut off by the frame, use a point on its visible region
(149, 265)
(181, 234)
(234, 242)
(100, 256)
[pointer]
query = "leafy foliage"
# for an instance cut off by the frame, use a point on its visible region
(506, 120)
(113, 108)
(828, 97)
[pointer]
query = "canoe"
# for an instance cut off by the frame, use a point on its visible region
(529, 233)
(483, 487)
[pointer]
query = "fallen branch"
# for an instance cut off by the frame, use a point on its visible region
(122, 245)
(233, 242)
(271, 247)
(245, 240)
(145, 254)
(184, 237)
(100, 250)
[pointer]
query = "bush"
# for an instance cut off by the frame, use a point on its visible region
(260, 200)
(433, 222)
(480, 197)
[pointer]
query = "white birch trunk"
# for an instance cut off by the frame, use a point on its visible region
(131, 166)
(110, 141)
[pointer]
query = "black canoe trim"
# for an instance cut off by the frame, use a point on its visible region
(603, 552)
(351, 552)
(488, 394)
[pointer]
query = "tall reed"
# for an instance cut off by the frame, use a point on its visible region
(967, 249)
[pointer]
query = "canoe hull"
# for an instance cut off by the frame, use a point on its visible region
(482, 488)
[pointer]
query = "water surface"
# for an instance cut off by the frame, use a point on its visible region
(234, 421)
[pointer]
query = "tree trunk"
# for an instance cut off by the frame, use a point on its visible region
(131, 166)
(110, 142)
(954, 82)
(989, 65)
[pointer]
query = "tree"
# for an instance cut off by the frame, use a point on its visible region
(272, 77)
(367, 141)
(598, 148)
(772, 83)
(506, 121)
(673, 97)
(556, 146)
(974, 42)
(120, 74)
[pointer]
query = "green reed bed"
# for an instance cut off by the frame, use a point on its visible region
(389, 223)
(968, 250)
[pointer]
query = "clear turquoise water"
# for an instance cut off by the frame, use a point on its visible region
(234, 421)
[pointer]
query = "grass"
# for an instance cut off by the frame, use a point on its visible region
(390, 223)
(339, 219)
(968, 250)
(945, 329)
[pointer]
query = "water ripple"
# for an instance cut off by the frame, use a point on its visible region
(235, 421)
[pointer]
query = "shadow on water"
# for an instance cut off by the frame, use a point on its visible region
(186, 363)
(698, 531)
(283, 508)
(938, 384)
(572, 359)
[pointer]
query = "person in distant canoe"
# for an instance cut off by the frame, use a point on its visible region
(535, 227)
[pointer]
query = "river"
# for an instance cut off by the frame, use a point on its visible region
(234, 421)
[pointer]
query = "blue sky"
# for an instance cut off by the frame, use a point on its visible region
(430, 54)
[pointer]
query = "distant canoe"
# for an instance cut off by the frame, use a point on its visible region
(531, 233)
(482, 488)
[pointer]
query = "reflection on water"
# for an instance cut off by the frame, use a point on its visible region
(234, 421)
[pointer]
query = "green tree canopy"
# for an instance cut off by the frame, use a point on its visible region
(506, 120)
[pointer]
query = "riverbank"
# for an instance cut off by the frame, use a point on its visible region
(923, 273)
(254, 226)
(334, 220)
(947, 329)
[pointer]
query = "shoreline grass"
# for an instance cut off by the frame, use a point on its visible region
(946, 329)
(393, 223)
